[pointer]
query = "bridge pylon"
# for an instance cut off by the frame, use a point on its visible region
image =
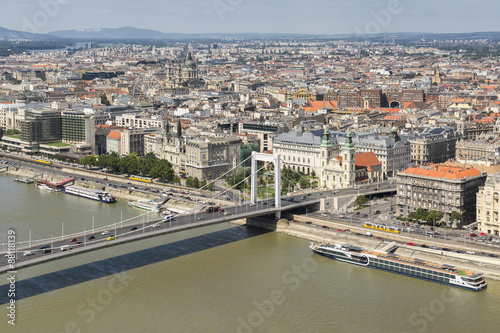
(277, 177)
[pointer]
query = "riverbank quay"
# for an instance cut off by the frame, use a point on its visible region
(316, 231)
(82, 179)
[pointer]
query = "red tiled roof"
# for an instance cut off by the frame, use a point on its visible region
(368, 160)
(443, 171)
(114, 135)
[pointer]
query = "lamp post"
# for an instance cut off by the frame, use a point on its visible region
(62, 231)
(51, 244)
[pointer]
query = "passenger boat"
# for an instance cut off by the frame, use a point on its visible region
(413, 267)
(97, 195)
(147, 205)
(45, 187)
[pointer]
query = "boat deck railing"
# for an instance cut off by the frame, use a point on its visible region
(423, 263)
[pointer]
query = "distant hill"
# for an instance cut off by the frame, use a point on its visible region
(111, 33)
(14, 34)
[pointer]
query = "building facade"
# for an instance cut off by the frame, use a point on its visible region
(439, 187)
(434, 145)
(488, 207)
(211, 157)
(301, 151)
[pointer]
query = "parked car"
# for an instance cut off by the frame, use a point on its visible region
(424, 246)
(325, 227)
(434, 247)
(470, 252)
(411, 244)
(473, 235)
(295, 221)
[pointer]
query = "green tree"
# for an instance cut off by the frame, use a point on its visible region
(104, 100)
(189, 181)
(304, 183)
(361, 200)
(130, 164)
(88, 160)
(210, 186)
(455, 216)
(162, 169)
(196, 182)
(421, 214)
(313, 173)
(177, 179)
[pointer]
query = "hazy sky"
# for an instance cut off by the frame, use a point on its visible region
(282, 16)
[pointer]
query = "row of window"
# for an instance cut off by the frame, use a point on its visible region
(412, 270)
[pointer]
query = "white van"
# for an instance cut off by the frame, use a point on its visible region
(470, 252)
(65, 248)
(368, 234)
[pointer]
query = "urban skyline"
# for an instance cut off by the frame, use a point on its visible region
(260, 16)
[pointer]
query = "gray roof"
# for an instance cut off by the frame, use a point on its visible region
(366, 140)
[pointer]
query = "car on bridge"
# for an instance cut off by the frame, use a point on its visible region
(110, 238)
(133, 228)
(90, 237)
(73, 240)
(44, 247)
(28, 253)
(105, 232)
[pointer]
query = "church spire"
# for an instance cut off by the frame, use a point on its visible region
(167, 128)
(179, 128)
(326, 142)
(349, 145)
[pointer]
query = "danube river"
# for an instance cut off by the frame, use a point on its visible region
(223, 278)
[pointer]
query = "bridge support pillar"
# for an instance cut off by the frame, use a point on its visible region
(277, 177)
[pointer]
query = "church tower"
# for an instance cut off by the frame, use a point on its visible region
(496, 129)
(394, 134)
(348, 162)
(326, 147)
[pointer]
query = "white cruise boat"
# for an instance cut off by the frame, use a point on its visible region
(413, 267)
(147, 205)
(44, 187)
(97, 195)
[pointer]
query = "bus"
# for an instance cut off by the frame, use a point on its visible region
(142, 179)
(212, 208)
(43, 161)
